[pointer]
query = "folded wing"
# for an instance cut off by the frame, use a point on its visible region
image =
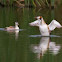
(54, 24)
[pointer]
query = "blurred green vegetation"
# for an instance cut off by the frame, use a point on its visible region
(31, 3)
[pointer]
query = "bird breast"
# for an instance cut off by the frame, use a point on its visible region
(44, 30)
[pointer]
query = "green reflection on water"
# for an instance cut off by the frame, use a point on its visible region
(19, 50)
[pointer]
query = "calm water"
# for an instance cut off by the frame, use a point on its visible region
(28, 45)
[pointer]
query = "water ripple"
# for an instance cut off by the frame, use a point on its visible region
(3, 29)
(44, 36)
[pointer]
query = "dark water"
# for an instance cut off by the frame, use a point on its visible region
(27, 45)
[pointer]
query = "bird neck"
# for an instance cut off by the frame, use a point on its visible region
(16, 27)
(43, 22)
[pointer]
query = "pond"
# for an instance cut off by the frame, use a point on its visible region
(27, 45)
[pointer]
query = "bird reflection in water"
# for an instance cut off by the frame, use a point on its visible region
(54, 48)
(43, 46)
(16, 34)
(14, 31)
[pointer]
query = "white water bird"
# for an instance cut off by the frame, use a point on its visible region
(43, 27)
(10, 28)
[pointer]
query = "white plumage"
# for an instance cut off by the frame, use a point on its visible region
(54, 24)
(43, 27)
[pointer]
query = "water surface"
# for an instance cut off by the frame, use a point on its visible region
(28, 45)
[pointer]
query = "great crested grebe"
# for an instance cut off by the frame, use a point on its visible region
(13, 27)
(43, 27)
